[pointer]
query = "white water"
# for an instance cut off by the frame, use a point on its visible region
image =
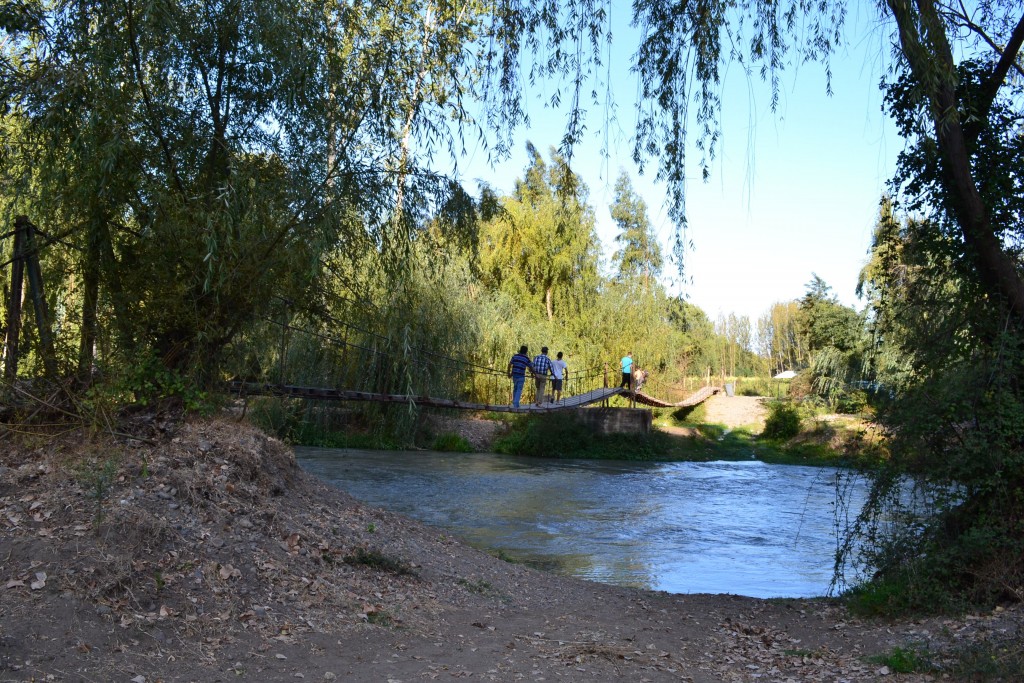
(745, 528)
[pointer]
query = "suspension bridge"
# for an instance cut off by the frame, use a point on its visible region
(340, 362)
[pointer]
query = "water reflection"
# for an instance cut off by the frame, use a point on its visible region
(722, 527)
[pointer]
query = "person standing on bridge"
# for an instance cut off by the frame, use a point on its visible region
(517, 371)
(558, 368)
(541, 368)
(627, 370)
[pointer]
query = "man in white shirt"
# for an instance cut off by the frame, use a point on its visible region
(558, 369)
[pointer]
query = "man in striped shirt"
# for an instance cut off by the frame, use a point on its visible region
(541, 368)
(517, 371)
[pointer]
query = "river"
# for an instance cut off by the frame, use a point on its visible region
(746, 528)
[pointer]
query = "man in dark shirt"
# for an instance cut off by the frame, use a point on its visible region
(541, 368)
(517, 368)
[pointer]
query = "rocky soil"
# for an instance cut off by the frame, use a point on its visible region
(200, 551)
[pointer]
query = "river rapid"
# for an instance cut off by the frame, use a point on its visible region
(746, 528)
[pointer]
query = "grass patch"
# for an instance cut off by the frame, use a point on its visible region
(363, 557)
(988, 661)
(481, 587)
(557, 436)
(379, 618)
(502, 555)
(901, 594)
(904, 660)
(450, 442)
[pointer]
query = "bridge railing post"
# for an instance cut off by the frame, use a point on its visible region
(632, 386)
(604, 401)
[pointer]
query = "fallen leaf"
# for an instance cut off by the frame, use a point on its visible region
(228, 572)
(15, 583)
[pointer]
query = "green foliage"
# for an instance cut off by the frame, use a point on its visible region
(901, 595)
(824, 322)
(905, 660)
(543, 241)
(450, 442)
(998, 658)
(557, 436)
(97, 477)
(779, 338)
(189, 183)
(639, 254)
(299, 422)
(783, 421)
(754, 386)
(690, 416)
(941, 530)
(852, 402)
(147, 381)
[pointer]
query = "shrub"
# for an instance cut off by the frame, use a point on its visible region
(452, 443)
(754, 386)
(852, 402)
(783, 421)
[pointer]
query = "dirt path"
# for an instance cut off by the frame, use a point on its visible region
(736, 411)
(208, 555)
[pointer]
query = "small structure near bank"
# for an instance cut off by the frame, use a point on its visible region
(616, 420)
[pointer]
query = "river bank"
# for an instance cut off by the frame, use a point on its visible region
(199, 551)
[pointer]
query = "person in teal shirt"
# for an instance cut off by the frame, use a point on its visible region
(627, 370)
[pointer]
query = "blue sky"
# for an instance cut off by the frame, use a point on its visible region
(792, 192)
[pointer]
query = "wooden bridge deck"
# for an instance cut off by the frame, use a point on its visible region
(698, 397)
(320, 394)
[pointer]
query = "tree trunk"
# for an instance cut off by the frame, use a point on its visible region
(924, 43)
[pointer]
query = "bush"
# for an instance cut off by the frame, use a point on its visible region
(554, 436)
(754, 386)
(452, 443)
(852, 402)
(783, 421)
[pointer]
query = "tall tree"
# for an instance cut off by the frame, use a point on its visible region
(638, 254)
(824, 321)
(959, 113)
(202, 158)
(544, 239)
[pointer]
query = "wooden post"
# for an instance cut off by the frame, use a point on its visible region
(604, 401)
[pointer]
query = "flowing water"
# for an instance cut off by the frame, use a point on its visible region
(746, 528)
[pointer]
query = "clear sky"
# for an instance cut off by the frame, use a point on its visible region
(791, 193)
